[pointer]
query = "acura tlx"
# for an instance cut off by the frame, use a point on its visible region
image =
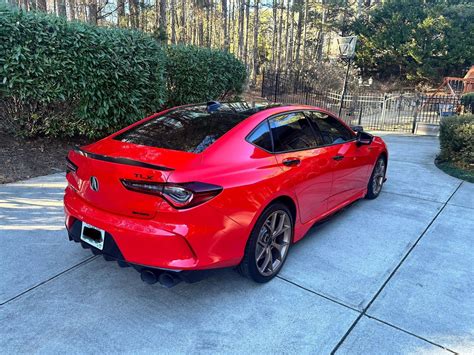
(217, 185)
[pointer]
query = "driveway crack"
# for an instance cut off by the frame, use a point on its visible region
(394, 271)
(89, 259)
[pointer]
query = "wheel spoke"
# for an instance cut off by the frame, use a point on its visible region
(268, 260)
(260, 254)
(280, 226)
(278, 248)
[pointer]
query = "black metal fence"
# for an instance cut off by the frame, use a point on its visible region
(398, 111)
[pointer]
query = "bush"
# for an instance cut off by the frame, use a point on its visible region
(467, 100)
(63, 78)
(457, 141)
(200, 74)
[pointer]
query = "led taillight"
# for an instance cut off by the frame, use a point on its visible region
(70, 166)
(177, 195)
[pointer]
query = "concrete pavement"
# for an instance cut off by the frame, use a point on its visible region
(393, 275)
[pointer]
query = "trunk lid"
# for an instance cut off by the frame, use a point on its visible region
(101, 166)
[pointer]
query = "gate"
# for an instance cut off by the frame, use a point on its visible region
(401, 111)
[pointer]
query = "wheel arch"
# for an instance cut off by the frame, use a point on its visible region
(288, 202)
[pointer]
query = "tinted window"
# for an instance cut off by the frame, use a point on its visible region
(261, 137)
(190, 129)
(291, 132)
(331, 130)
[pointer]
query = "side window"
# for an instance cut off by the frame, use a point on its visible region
(261, 136)
(292, 131)
(332, 131)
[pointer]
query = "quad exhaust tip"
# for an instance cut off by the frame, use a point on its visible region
(166, 279)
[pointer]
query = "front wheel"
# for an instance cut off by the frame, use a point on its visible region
(376, 179)
(268, 244)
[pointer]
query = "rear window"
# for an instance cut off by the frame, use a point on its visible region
(190, 129)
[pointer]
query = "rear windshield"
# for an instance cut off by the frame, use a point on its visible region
(190, 129)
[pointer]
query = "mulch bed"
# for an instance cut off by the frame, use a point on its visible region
(22, 158)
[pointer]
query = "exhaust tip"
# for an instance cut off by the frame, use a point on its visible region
(149, 277)
(168, 280)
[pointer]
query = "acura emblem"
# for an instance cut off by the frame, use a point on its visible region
(94, 183)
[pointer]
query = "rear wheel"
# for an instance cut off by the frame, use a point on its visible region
(376, 179)
(268, 244)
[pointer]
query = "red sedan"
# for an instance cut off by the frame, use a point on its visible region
(217, 185)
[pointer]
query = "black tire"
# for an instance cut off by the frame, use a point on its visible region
(248, 266)
(373, 187)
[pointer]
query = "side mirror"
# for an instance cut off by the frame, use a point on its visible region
(357, 128)
(364, 138)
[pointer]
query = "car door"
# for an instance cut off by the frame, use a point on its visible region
(350, 162)
(307, 167)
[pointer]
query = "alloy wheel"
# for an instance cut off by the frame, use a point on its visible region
(273, 243)
(379, 176)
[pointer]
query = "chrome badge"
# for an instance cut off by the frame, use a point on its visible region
(94, 183)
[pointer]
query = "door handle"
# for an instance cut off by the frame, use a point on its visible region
(291, 162)
(338, 157)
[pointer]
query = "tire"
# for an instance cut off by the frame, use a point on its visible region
(261, 242)
(374, 187)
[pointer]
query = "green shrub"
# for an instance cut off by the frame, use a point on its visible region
(200, 74)
(467, 100)
(62, 78)
(457, 141)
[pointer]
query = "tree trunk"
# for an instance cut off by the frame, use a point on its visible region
(72, 10)
(41, 5)
(224, 25)
(241, 27)
(247, 21)
(134, 12)
(304, 34)
(92, 12)
(289, 54)
(280, 29)
(182, 36)
(299, 31)
(173, 21)
(208, 29)
(121, 22)
(287, 33)
(232, 25)
(62, 8)
(162, 22)
(255, 43)
(211, 23)
(321, 35)
(274, 37)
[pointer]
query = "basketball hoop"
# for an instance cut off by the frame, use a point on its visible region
(347, 46)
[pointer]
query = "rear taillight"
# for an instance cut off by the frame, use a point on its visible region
(70, 166)
(177, 195)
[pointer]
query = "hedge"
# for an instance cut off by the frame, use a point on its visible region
(200, 74)
(457, 141)
(61, 78)
(468, 101)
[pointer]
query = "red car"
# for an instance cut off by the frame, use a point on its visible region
(217, 185)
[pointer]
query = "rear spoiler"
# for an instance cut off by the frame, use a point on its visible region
(119, 160)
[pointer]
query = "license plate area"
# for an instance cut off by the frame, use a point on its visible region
(93, 235)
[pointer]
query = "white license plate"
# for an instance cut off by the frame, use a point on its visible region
(93, 235)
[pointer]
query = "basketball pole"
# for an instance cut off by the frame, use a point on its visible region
(344, 87)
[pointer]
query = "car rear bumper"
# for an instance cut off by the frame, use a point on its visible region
(209, 240)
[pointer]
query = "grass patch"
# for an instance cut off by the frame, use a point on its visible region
(451, 169)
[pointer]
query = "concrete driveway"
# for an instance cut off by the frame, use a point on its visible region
(393, 275)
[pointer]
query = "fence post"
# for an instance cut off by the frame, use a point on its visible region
(263, 82)
(384, 108)
(277, 76)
